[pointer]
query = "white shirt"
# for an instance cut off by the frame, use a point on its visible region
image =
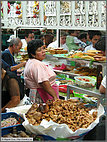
(24, 43)
(90, 47)
(104, 82)
(65, 47)
(81, 43)
(55, 45)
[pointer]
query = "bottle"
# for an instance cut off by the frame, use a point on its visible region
(99, 79)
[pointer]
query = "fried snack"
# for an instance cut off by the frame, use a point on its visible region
(71, 112)
(85, 73)
(64, 51)
(87, 57)
(99, 58)
(90, 54)
(77, 72)
(79, 54)
(52, 51)
(93, 51)
(92, 74)
(58, 51)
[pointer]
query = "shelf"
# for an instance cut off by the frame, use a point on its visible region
(66, 73)
(83, 61)
(102, 63)
(89, 91)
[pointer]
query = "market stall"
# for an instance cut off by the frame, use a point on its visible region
(52, 121)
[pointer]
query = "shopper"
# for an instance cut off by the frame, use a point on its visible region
(5, 65)
(48, 39)
(101, 45)
(72, 40)
(83, 38)
(8, 55)
(11, 90)
(29, 35)
(37, 75)
(62, 42)
(88, 37)
(94, 38)
(102, 88)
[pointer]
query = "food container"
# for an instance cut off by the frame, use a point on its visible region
(61, 131)
(85, 81)
(6, 130)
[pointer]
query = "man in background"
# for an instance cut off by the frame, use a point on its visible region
(8, 55)
(94, 37)
(62, 42)
(29, 35)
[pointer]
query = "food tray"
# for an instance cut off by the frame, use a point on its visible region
(87, 83)
(6, 130)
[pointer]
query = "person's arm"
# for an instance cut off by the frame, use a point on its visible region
(47, 87)
(13, 68)
(8, 60)
(102, 89)
(14, 91)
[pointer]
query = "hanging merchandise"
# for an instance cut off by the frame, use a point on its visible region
(45, 17)
(8, 9)
(36, 9)
(1, 10)
(18, 9)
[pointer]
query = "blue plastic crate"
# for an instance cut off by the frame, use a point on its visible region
(9, 129)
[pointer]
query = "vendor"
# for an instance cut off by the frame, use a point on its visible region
(37, 75)
(11, 90)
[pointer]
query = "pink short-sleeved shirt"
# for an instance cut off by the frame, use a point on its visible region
(36, 72)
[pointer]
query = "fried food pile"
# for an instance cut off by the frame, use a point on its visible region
(86, 71)
(71, 112)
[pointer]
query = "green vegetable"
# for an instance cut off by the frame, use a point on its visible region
(76, 56)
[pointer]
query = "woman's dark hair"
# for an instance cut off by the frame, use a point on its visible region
(101, 44)
(33, 45)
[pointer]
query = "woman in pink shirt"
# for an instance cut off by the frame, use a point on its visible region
(37, 75)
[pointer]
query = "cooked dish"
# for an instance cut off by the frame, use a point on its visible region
(71, 112)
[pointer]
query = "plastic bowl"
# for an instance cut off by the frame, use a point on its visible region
(85, 81)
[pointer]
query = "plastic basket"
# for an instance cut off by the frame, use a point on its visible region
(83, 83)
(7, 130)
